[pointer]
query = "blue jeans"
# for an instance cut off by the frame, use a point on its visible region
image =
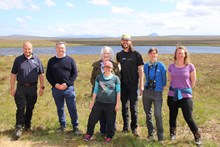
(151, 97)
(70, 97)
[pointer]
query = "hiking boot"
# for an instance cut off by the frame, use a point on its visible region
(172, 133)
(108, 140)
(18, 133)
(61, 129)
(76, 131)
(198, 140)
(87, 137)
(135, 133)
(125, 131)
(28, 130)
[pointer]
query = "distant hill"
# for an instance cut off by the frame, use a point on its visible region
(153, 34)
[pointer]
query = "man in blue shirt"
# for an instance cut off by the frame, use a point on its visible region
(26, 69)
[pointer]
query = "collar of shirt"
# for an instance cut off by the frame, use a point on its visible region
(152, 64)
(64, 55)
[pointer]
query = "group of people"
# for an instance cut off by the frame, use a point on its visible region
(112, 83)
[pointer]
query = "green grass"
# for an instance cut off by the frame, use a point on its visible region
(45, 121)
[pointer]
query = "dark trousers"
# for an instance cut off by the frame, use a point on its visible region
(25, 99)
(151, 97)
(129, 94)
(103, 124)
(110, 115)
(102, 121)
(186, 104)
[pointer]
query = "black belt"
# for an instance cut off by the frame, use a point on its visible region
(27, 84)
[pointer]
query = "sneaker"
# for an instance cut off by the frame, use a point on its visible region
(76, 131)
(150, 138)
(198, 140)
(108, 140)
(18, 133)
(136, 133)
(87, 137)
(172, 137)
(61, 129)
(172, 133)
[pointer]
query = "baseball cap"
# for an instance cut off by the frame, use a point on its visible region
(126, 37)
(108, 63)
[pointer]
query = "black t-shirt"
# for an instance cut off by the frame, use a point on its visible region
(27, 70)
(129, 66)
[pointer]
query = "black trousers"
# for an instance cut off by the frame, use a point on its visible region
(129, 94)
(25, 99)
(186, 104)
(110, 115)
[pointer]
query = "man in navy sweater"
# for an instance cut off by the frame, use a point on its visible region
(61, 74)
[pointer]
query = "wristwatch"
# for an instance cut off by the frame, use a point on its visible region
(42, 87)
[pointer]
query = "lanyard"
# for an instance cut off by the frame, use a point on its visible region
(154, 71)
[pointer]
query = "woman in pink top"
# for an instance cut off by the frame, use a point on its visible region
(182, 77)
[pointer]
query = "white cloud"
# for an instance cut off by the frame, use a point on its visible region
(20, 20)
(70, 4)
(121, 10)
(34, 7)
(198, 7)
(50, 3)
(6, 4)
(61, 30)
(23, 20)
(28, 17)
(100, 2)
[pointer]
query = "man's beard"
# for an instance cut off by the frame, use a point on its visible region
(125, 45)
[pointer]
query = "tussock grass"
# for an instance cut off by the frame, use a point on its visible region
(45, 120)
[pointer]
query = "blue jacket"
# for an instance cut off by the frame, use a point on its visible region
(160, 77)
(178, 92)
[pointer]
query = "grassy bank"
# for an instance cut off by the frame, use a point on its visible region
(6, 42)
(45, 121)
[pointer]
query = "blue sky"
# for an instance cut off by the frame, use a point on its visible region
(109, 17)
